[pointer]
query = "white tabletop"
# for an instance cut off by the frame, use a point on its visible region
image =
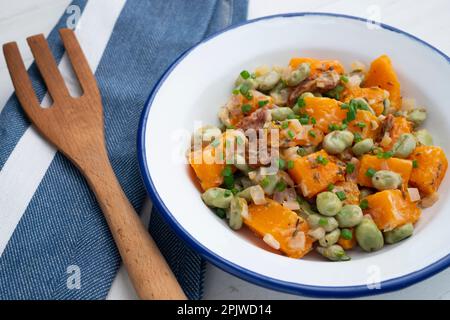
(428, 20)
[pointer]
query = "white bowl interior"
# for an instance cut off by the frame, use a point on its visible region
(203, 81)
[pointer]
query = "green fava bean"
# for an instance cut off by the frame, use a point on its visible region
(330, 238)
(306, 95)
(386, 180)
(405, 145)
(328, 203)
(417, 116)
(399, 233)
(337, 141)
(424, 137)
(217, 197)
(268, 81)
(350, 215)
(362, 147)
(298, 75)
(368, 236)
(327, 223)
(280, 114)
(334, 253)
(238, 209)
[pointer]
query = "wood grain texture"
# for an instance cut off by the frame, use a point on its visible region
(75, 126)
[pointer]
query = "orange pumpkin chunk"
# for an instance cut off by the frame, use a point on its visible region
(366, 124)
(318, 66)
(374, 96)
(390, 209)
(288, 230)
(313, 173)
(402, 166)
(431, 165)
(397, 127)
(326, 111)
(382, 74)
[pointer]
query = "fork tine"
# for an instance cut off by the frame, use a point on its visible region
(79, 62)
(48, 68)
(19, 76)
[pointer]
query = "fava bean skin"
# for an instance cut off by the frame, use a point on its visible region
(363, 146)
(350, 216)
(238, 208)
(368, 236)
(333, 253)
(386, 180)
(268, 81)
(337, 141)
(327, 223)
(217, 197)
(328, 203)
(424, 137)
(405, 145)
(298, 75)
(330, 238)
(399, 233)
(280, 114)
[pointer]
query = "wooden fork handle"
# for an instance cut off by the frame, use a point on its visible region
(151, 276)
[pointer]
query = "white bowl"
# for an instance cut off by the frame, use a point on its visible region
(201, 80)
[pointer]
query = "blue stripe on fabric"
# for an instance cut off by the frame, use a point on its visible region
(63, 224)
(13, 122)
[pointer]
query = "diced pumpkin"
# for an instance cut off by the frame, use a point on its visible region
(348, 244)
(390, 209)
(313, 173)
(288, 229)
(431, 167)
(318, 66)
(374, 96)
(402, 166)
(396, 127)
(237, 114)
(382, 74)
(366, 124)
(207, 169)
(326, 111)
(351, 191)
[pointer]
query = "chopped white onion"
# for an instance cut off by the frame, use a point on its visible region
(271, 241)
(291, 205)
(414, 194)
(257, 194)
(297, 242)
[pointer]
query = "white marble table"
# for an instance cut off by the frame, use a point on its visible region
(428, 20)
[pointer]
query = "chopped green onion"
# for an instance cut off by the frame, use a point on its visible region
(262, 103)
(346, 234)
(226, 172)
(227, 193)
(235, 91)
(304, 119)
(351, 113)
(349, 168)
(341, 195)
(245, 74)
(385, 155)
(330, 187)
(312, 133)
(364, 204)
(370, 172)
(415, 164)
(344, 78)
(357, 137)
(290, 164)
(361, 125)
(281, 164)
(280, 186)
(285, 125)
(335, 93)
(246, 108)
(221, 213)
(301, 102)
(228, 181)
(313, 120)
(320, 159)
(344, 106)
(265, 182)
(302, 151)
(290, 134)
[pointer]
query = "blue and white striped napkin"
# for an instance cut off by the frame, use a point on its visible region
(54, 242)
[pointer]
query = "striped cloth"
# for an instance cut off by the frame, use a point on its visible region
(54, 242)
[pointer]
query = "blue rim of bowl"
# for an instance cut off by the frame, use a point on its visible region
(243, 273)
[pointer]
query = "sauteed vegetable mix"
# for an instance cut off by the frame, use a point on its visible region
(314, 156)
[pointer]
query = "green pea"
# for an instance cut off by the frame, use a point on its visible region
(238, 209)
(362, 147)
(385, 180)
(350, 215)
(298, 75)
(327, 223)
(417, 116)
(330, 238)
(368, 236)
(328, 203)
(399, 233)
(280, 114)
(268, 81)
(405, 145)
(217, 197)
(337, 141)
(424, 137)
(334, 253)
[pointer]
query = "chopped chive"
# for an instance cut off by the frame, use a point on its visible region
(234, 191)
(415, 164)
(244, 89)
(301, 102)
(304, 119)
(281, 164)
(349, 168)
(262, 103)
(265, 182)
(246, 108)
(245, 74)
(221, 213)
(330, 187)
(364, 204)
(313, 120)
(346, 234)
(285, 125)
(320, 159)
(370, 172)
(226, 172)
(344, 78)
(361, 125)
(333, 127)
(290, 164)
(280, 186)
(290, 134)
(351, 113)
(341, 195)
(385, 155)
(312, 133)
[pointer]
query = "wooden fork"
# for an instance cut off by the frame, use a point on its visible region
(75, 127)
